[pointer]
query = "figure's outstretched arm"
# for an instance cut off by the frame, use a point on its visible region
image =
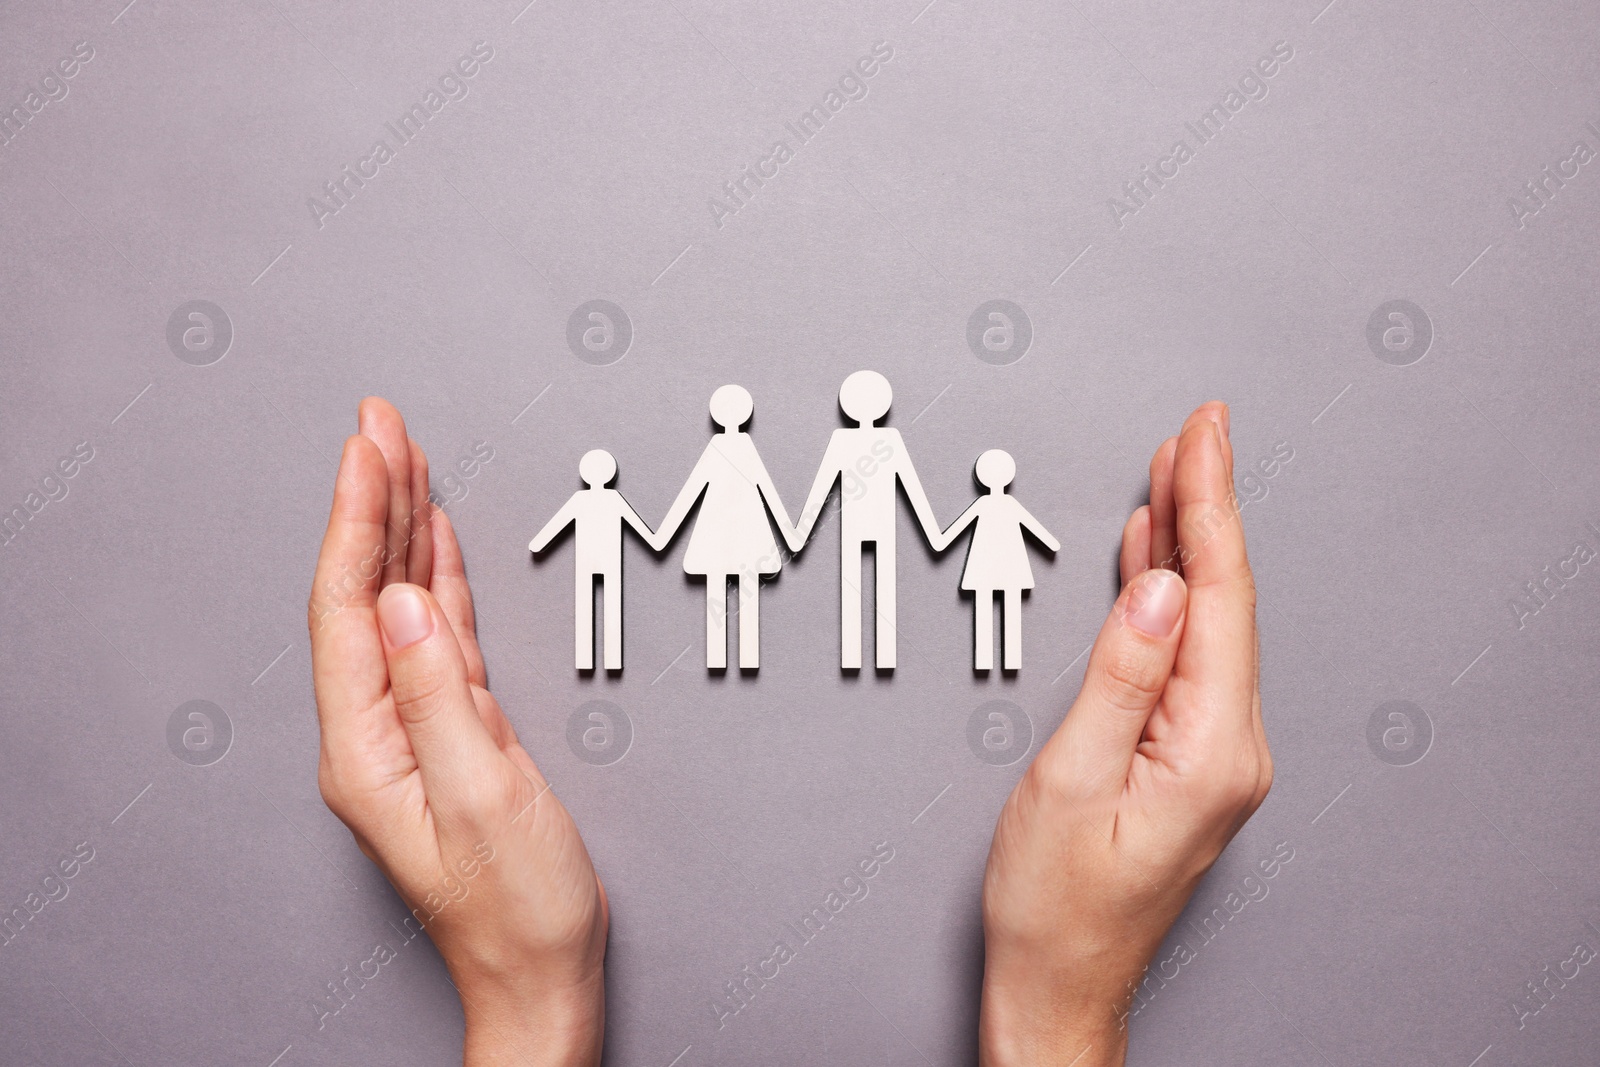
(942, 541)
(640, 527)
(1035, 527)
(559, 522)
(820, 488)
(919, 499)
(680, 507)
(769, 492)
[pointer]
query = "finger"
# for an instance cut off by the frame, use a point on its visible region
(450, 589)
(1215, 411)
(1218, 654)
(419, 557)
(505, 738)
(347, 662)
(1135, 557)
(1210, 536)
(1258, 731)
(494, 719)
(379, 421)
(1127, 673)
(428, 678)
(1163, 514)
(1226, 426)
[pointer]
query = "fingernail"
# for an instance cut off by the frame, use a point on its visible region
(1155, 602)
(404, 615)
(1227, 420)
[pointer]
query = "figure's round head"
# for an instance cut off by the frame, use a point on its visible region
(731, 406)
(597, 468)
(995, 469)
(865, 396)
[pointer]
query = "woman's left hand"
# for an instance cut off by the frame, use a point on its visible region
(421, 764)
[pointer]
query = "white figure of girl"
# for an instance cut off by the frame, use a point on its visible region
(732, 538)
(997, 559)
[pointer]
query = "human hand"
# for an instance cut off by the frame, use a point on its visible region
(421, 764)
(1160, 761)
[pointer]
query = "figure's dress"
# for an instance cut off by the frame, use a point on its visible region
(997, 558)
(731, 533)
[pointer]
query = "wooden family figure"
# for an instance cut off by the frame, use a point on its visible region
(733, 540)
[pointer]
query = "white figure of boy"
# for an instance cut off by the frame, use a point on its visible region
(599, 513)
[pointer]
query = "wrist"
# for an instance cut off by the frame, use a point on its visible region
(1027, 1040)
(1031, 1021)
(543, 1027)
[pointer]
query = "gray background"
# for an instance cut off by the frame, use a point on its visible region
(1389, 551)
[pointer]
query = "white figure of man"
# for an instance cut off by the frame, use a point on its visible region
(599, 514)
(869, 460)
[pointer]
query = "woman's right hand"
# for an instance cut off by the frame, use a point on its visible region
(1158, 764)
(421, 764)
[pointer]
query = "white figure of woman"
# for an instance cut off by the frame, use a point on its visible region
(997, 559)
(732, 538)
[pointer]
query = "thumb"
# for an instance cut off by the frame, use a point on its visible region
(1127, 673)
(428, 679)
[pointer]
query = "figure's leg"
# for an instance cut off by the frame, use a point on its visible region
(849, 602)
(883, 597)
(983, 630)
(749, 619)
(1013, 629)
(716, 621)
(612, 585)
(583, 620)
